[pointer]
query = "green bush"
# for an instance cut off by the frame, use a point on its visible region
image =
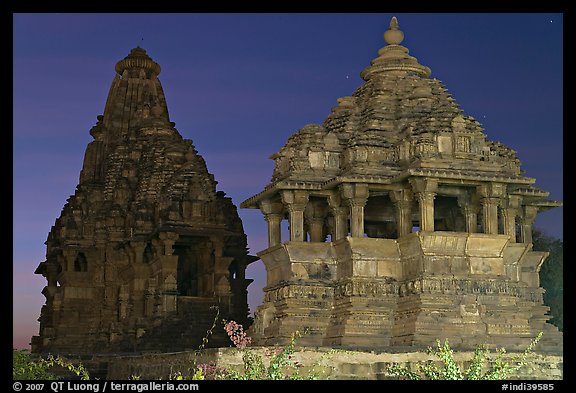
(497, 370)
(552, 275)
(24, 368)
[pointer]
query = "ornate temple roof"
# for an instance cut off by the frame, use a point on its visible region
(398, 123)
(139, 164)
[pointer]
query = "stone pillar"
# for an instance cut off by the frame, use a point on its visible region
(402, 199)
(315, 217)
(426, 203)
(490, 196)
(356, 196)
(471, 215)
(297, 228)
(425, 190)
(168, 297)
(357, 217)
(528, 217)
(510, 208)
(273, 214)
(274, 231)
(123, 298)
(316, 229)
(509, 217)
(168, 239)
(69, 257)
(490, 215)
(216, 245)
(340, 223)
(296, 222)
(220, 278)
(340, 217)
(295, 201)
(469, 205)
(136, 251)
(149, 294)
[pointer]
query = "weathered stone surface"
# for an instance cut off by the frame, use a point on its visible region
(422, 226)
(146, 245)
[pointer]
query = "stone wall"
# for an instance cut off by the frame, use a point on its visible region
(326, 362)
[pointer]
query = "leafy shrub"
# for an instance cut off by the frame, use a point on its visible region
(24, 368)
(552, 275)
(498, 369)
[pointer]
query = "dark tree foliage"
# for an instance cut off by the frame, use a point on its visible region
(551, 275)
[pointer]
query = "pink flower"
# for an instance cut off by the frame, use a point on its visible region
(237, 334)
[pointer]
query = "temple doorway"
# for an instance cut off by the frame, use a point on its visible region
(193, 258)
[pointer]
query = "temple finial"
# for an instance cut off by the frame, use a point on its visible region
(393, 36)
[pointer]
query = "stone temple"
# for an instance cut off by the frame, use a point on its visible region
(406, 224)
(146, 245)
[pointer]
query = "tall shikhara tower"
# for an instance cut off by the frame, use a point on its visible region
(406, 224)
(146, 245)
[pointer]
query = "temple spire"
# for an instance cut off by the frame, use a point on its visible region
(138, 59)
(393, 36)
(136, 98)
(394, 59)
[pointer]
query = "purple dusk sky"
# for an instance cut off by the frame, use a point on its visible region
(239, 85)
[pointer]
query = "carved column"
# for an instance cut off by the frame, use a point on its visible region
(340, 217)
(356, 196)
(315, 217)
(509, 213)
(402, 200)
(426, 203)
(136, 251)
(471, 215)
(425, 190)
(490, 215)
(149, 294)
(167, 240)
(340, 223)
(528, 217)
(274, 231)
(296, 222)
(469, 205)
(316, 229)
(490, 194)
(509, 217)
(357, 217)
(273, 214)
(123, 302)
(219, 277)
(168, 297)
(216, 246)
(69, 257)
(295, 201)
